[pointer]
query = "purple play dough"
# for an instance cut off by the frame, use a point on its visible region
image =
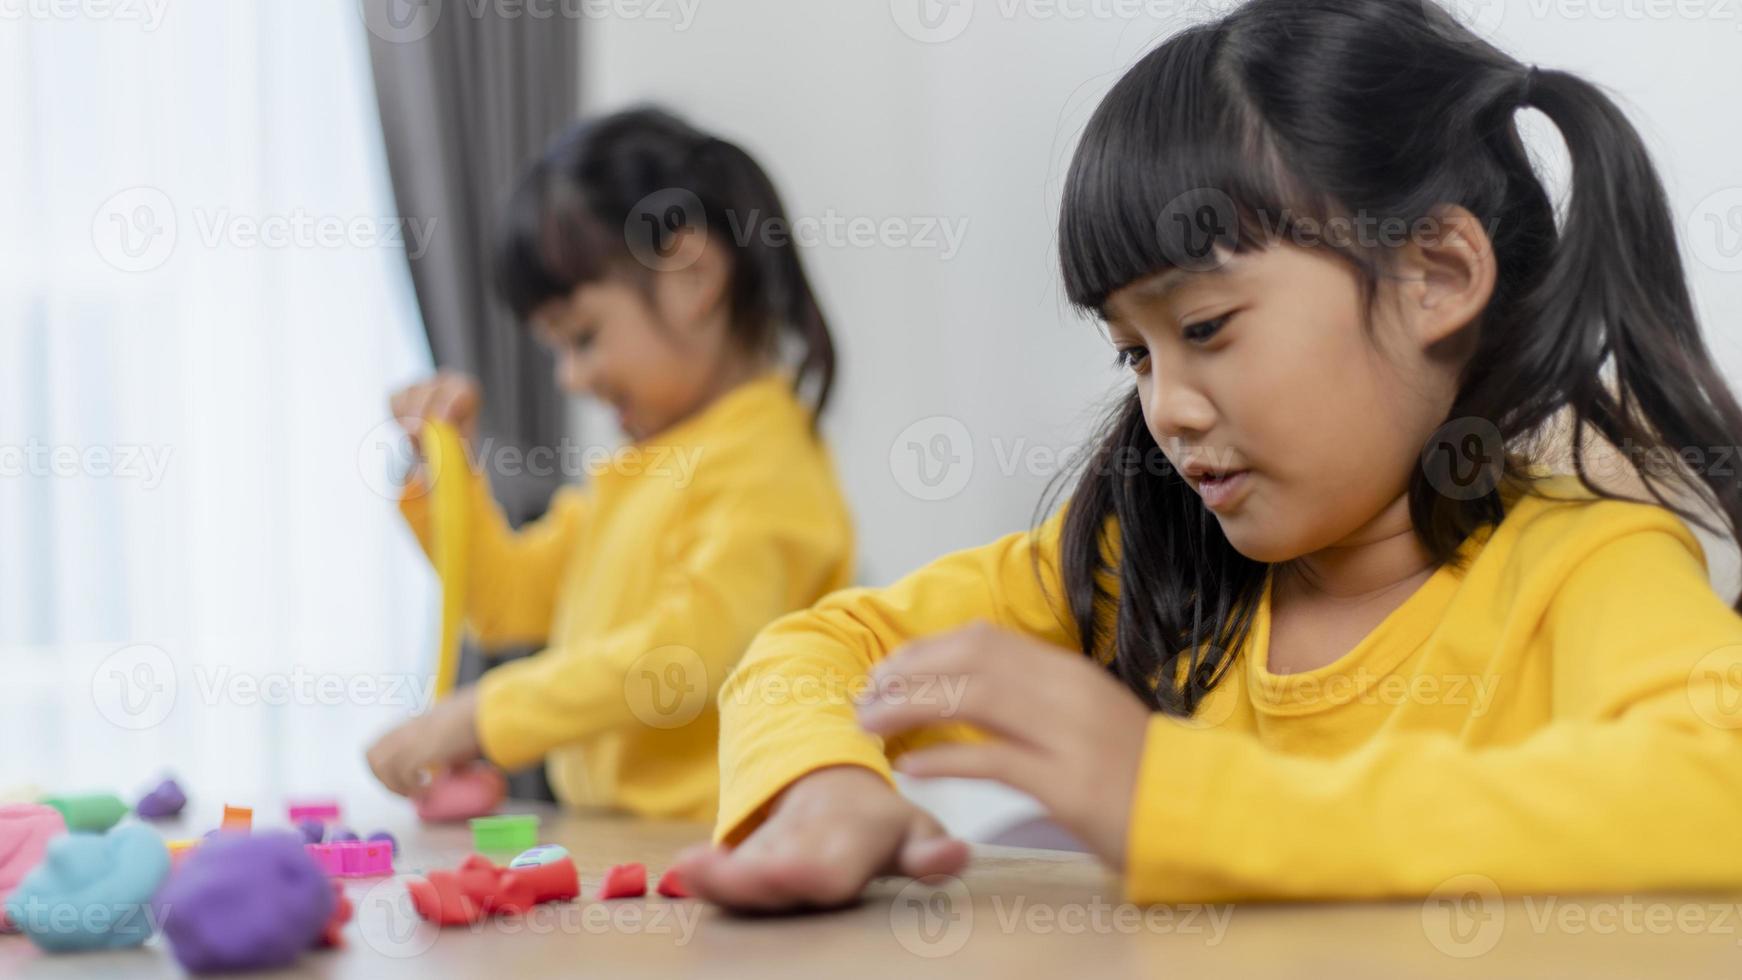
(164, 801)
(341, 834)
(312, 831)
(382, 835)
(244, 902)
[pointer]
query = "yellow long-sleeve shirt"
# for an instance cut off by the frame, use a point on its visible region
(645, 587)
(1563, 714)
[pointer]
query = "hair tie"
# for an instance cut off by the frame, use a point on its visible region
(1531, 77)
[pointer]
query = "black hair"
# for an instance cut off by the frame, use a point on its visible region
(1231, 132)
(611, 194)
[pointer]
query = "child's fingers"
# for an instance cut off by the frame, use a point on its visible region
(980, 675)
(380, 762)
(455, 401)
(445, 402)
(399, 405)
(731, 881)
(929, 850)
(998, 699)
(395, 765)
(406, 405)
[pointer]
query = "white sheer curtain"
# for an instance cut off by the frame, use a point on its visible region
(203, 303)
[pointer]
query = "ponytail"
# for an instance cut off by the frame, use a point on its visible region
(1615, 297)
(772, 286)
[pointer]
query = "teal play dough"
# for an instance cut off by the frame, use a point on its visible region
(92, 891)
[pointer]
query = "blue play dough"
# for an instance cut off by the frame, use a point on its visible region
(92, 891)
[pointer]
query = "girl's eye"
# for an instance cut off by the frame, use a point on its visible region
(1131, 358)
(1202, 331)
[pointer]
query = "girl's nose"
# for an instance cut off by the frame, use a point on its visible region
(576, 374)
(1177, 410)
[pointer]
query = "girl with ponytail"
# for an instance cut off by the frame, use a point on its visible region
(1320, 618)
(648, 256)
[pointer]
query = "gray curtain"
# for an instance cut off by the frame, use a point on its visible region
(468, 98)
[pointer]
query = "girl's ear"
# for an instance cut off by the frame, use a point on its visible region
(1448, 272)
(689, 294)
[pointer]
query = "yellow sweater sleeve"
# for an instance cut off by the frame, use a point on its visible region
(788, 709)
(1634, 784)
(514, 577)
(738, 564)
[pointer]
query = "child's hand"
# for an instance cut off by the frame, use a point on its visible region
(831, 832)
(446, 735)
(1064, 730)
(447, 397)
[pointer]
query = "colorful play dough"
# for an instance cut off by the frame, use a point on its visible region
(332, 934)
(462, 794)
(25, 830)
(506, 834)
(179, 850)
(478, 888)
(165, 800)
(245, 902)
(326, 811)
(92, 891)
(624, 881)
(542, 854)
(671, 885)
(91, 812)
(353, 858)
(450, 482)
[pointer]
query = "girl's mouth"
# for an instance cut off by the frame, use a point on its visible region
(1222, 490)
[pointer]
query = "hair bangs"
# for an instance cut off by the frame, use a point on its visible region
(550, 243)
(1174, 170)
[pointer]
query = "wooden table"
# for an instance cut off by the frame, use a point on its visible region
(1014, 913)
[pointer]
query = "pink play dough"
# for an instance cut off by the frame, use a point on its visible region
(473, 791)
(25, 830)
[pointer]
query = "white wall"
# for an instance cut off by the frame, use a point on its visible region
(853, 115)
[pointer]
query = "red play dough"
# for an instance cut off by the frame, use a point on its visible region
(624, 881)
(478, 888)
(672, 886)
(342, 909)
(473, 791)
